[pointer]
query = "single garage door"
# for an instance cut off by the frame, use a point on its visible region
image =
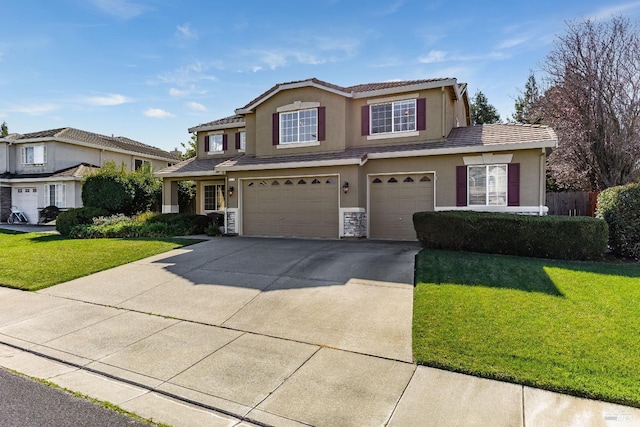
(297, 206)
(393, 200)
(26, 199)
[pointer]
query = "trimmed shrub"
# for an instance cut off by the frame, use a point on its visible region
(78, 216)
(620, 207)
(110, 191)
(558, 237)
(183, 224)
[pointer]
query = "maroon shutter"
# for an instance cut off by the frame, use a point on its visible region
(321, 123)
(275, 129)
(421, 114)
(461, 186)
(237, 140)
(206, 144)
(513, 184)
(225, 142)
(365, 120)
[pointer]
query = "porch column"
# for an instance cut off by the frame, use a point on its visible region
(170, 196)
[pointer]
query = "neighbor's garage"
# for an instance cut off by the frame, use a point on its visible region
(293, 206)
(26, 200)
(392, 201)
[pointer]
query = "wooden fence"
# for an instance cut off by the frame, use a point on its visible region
(572, 203)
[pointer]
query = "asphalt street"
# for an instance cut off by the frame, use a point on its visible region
(28, 403)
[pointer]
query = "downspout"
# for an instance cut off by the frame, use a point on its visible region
(543, 182)
(444, 113)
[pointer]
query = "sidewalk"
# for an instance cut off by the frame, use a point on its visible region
(183, 340)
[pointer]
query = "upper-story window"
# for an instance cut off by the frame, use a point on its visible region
(215, 143)
(393, 117)
(243, 140)
(299, 126)
(34, 155)
(141, 164)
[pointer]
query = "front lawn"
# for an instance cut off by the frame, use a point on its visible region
(33, 261)
(571, 327)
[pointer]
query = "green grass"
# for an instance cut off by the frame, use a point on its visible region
(571, 327)
(33, 261)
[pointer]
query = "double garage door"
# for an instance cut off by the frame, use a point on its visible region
(294, 206)
(392, 201)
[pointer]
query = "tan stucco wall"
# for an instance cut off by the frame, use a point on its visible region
(336, 110)
(4, 157)
(231, 143)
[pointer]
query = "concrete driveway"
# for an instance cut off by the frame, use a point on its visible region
(348, 295)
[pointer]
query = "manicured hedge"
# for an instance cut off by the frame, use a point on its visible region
(77, 216)
(620, 207)
(184, 224)
(558, 237)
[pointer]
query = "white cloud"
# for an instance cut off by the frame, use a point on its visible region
(185, 32)
(433, 57)
(608, 12)
(158, 113)
(391, 8)
(190, 73)
(196, 106)
(111, 99)
(36, 110)
(123, 9)
(512, 42)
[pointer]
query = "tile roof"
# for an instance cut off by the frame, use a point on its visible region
(114, 142)
(194, 165)
(367, 87)
(231, 120)
(500, 133)
(78, 171)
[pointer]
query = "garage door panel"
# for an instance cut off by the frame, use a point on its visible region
(392, 202)
(291, 207)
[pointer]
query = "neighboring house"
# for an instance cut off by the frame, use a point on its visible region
(46, 168)
(312, 159)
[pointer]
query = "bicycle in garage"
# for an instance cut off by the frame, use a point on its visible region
(17, 216)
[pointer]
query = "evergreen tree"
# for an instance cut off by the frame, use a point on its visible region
(482, 112)
(524, 103)
(4, 130)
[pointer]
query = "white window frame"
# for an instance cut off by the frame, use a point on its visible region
(215, 143)
(396, 119)
(38, 156)
(59, 195)
(219, 201)
(243, 140)
(299, 124)
(493, 196)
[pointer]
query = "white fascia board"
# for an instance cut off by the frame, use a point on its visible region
(96, 146)
(296, 165)
(464, 150)
(306, 83)
(187, 174)
(201, 128)
(39, 180)
(408, 88)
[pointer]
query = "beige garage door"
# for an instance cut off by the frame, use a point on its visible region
(301, 207)
(393, 200)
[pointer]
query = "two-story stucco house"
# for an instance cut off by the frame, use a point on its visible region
(312, 159)
(46, 168)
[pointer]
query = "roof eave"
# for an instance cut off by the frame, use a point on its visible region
(201, 128)
(408, 88)
(194, 174)
(295, 165)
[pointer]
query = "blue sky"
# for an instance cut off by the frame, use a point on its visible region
(150, 69)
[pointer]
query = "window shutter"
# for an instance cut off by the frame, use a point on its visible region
(421, 114)
(23, 151)
(321, 123)
(206, 144)
(225, 142)
(513, 184)
(461, 186)
(275, 129)
(237, 140)
(364, 125)
(47, 195)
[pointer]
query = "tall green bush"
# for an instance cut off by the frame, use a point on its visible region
(620, 207)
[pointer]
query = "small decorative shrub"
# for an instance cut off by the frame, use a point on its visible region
(620, 207)
(77, 216)
(213, 230)
(559, 237)
(183, 224)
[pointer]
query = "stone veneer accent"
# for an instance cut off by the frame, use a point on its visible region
(5, 203)
(354, 222)
(230, 222)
